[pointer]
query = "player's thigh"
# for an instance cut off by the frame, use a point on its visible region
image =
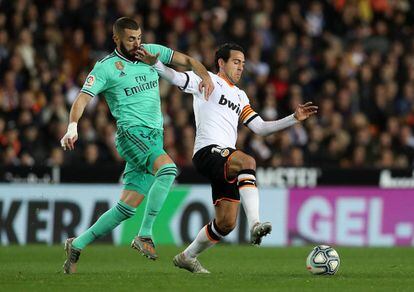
(237, 162)
(137, 179)
(157, 157)
(132, 198)
(211, 162)
(133, 148)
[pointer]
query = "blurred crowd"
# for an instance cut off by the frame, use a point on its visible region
(355, 59)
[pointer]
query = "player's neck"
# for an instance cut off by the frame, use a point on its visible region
(225, 78)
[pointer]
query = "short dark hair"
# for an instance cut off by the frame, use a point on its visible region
(223, 52)
(124, 23)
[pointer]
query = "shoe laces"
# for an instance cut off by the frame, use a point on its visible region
(74, 255)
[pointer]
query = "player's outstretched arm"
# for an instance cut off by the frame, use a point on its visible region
(198, 68)
(260, 127)
(172, 76)
(186, 81)
(78, 106)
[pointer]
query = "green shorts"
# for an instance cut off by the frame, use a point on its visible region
(140, 147)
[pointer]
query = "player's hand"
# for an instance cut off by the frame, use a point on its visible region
(304, 111)
(146, 57)
(207, 86)
(68, 141)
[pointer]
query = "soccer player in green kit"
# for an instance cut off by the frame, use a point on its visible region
(131, 90)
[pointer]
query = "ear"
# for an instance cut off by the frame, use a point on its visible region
(221, 63)
(115, 38)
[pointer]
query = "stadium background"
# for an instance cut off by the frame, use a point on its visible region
(344, 177)
(352, 58)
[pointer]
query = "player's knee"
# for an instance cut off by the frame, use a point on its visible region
(248, 162)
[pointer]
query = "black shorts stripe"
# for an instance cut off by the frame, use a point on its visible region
(135, 138)
(131, 155)
(138, 143)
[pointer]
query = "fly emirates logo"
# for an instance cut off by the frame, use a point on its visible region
(231, 105)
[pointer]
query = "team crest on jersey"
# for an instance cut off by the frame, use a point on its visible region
(119, 65)
(225, 152)
(90, 80)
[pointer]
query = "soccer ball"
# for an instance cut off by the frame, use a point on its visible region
(323, 260)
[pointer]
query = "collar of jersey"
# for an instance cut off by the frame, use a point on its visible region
(123, 58)
(225, 79)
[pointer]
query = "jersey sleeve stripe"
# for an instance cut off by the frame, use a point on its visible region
(251, 119)
(245, 113)
(245, 109)
(88, 92)
(186, 83)
(171, 57)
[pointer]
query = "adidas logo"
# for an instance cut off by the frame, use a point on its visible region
(122, 74)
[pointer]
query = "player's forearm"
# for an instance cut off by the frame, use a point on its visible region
(190, 64)
(78, 107)
(174, 77)
(260, 127)
(198, 68)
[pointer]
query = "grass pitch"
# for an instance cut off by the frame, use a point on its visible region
(234, 268)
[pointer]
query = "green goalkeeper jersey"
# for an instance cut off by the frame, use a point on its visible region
(131, 89)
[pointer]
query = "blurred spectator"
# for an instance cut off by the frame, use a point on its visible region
(355, 61)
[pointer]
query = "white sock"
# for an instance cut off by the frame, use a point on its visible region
(249, 195)
(206, 237)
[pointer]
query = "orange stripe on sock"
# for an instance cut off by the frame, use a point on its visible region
(247, 186)
(242, 180)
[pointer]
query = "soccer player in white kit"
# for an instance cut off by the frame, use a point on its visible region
(231, 171)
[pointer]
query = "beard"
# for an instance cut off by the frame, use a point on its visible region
(130, 56)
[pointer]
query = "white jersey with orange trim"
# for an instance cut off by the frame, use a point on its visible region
(217, 119)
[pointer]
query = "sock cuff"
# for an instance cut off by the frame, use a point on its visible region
(247, 171)
(212, 236)
(217, 229)
(125, 209)
(246, 178)
(167, 169)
